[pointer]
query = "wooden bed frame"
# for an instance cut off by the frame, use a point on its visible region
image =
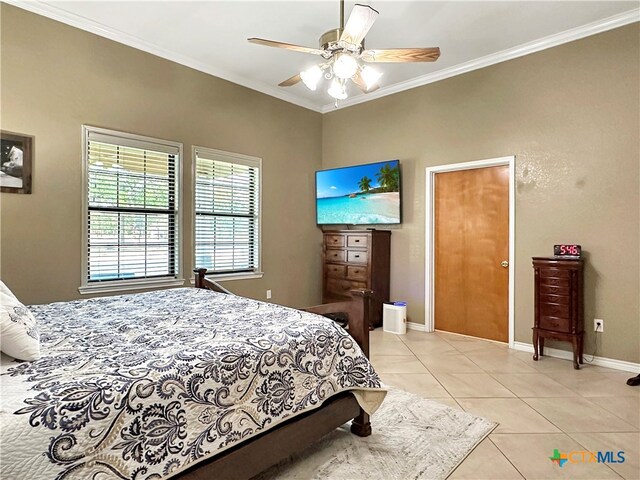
(262, 451)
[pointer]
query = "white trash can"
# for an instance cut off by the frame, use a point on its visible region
(394, 317)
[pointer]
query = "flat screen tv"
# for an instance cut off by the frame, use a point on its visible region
(359, 195)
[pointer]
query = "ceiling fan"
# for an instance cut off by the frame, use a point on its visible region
(345, 58)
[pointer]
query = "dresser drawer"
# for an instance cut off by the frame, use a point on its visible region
(357, 273)
(336, 255)
(554, 310)
(555, 323)
(559, 299)
(354, 256)
(554, 281)
(334, 240)
(553, 290)
(357, 241)
(555, 272)
(342, 287)
(336, 271)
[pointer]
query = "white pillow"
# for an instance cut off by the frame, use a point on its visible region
(19, 336)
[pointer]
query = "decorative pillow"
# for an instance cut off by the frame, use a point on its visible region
(19, 336)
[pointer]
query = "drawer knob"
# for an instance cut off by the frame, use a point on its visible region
(504, 264)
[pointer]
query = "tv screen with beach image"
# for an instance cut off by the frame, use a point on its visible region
(359, 195)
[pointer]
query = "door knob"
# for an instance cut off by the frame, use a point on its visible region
(504, 264)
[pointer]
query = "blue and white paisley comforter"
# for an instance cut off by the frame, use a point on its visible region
(144, 386)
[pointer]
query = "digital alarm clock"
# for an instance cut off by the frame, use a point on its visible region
(564, 250)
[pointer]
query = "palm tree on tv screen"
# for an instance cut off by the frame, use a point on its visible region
(365, 184)
(389, 178)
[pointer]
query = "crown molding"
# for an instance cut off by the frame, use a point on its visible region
(554, 40)
(78, 21)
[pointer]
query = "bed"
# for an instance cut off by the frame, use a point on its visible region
(185, 383)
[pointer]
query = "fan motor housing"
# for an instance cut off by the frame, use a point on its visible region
(330, 37)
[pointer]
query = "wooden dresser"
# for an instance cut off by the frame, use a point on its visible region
(357, 259)
(558, 304)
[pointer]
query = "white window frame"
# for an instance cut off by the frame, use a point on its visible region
(240, 158)
(86, 287)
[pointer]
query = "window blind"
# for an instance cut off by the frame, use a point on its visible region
(227, 212)
(132, 208)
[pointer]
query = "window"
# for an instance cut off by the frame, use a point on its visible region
(227, 213)
(131, 210)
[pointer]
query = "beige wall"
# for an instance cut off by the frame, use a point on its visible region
(570, 116)
(56, 78)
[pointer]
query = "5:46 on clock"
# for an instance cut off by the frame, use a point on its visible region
(567, 250)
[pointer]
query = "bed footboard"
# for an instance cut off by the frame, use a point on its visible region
(357, 309)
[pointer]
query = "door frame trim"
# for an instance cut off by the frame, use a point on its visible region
(429, 234)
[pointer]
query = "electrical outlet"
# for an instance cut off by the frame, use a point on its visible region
(598, 325)
(268, 294)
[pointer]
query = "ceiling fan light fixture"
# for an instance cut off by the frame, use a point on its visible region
(343, 53)
(311, 76)
(337, 90)
(344, 65)
(370, 76)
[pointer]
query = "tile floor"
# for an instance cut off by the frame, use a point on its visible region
(541, 406)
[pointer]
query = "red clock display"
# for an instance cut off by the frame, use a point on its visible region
(564, 250)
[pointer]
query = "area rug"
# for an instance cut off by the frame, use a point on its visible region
(413, 438)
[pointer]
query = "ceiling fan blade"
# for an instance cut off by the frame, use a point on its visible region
(359, 23)
(359, 81)
(291, 81)
(390, 55)
(287, 46)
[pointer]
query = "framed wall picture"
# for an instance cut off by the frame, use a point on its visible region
(16, 156)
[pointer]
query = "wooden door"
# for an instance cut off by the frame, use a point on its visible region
(471, 243)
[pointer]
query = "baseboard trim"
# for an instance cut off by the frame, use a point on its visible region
(565, 355)
(416, 326)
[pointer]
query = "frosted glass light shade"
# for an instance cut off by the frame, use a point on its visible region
(311, 77)
(337, 90)
(370, 76)
(344, 66)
